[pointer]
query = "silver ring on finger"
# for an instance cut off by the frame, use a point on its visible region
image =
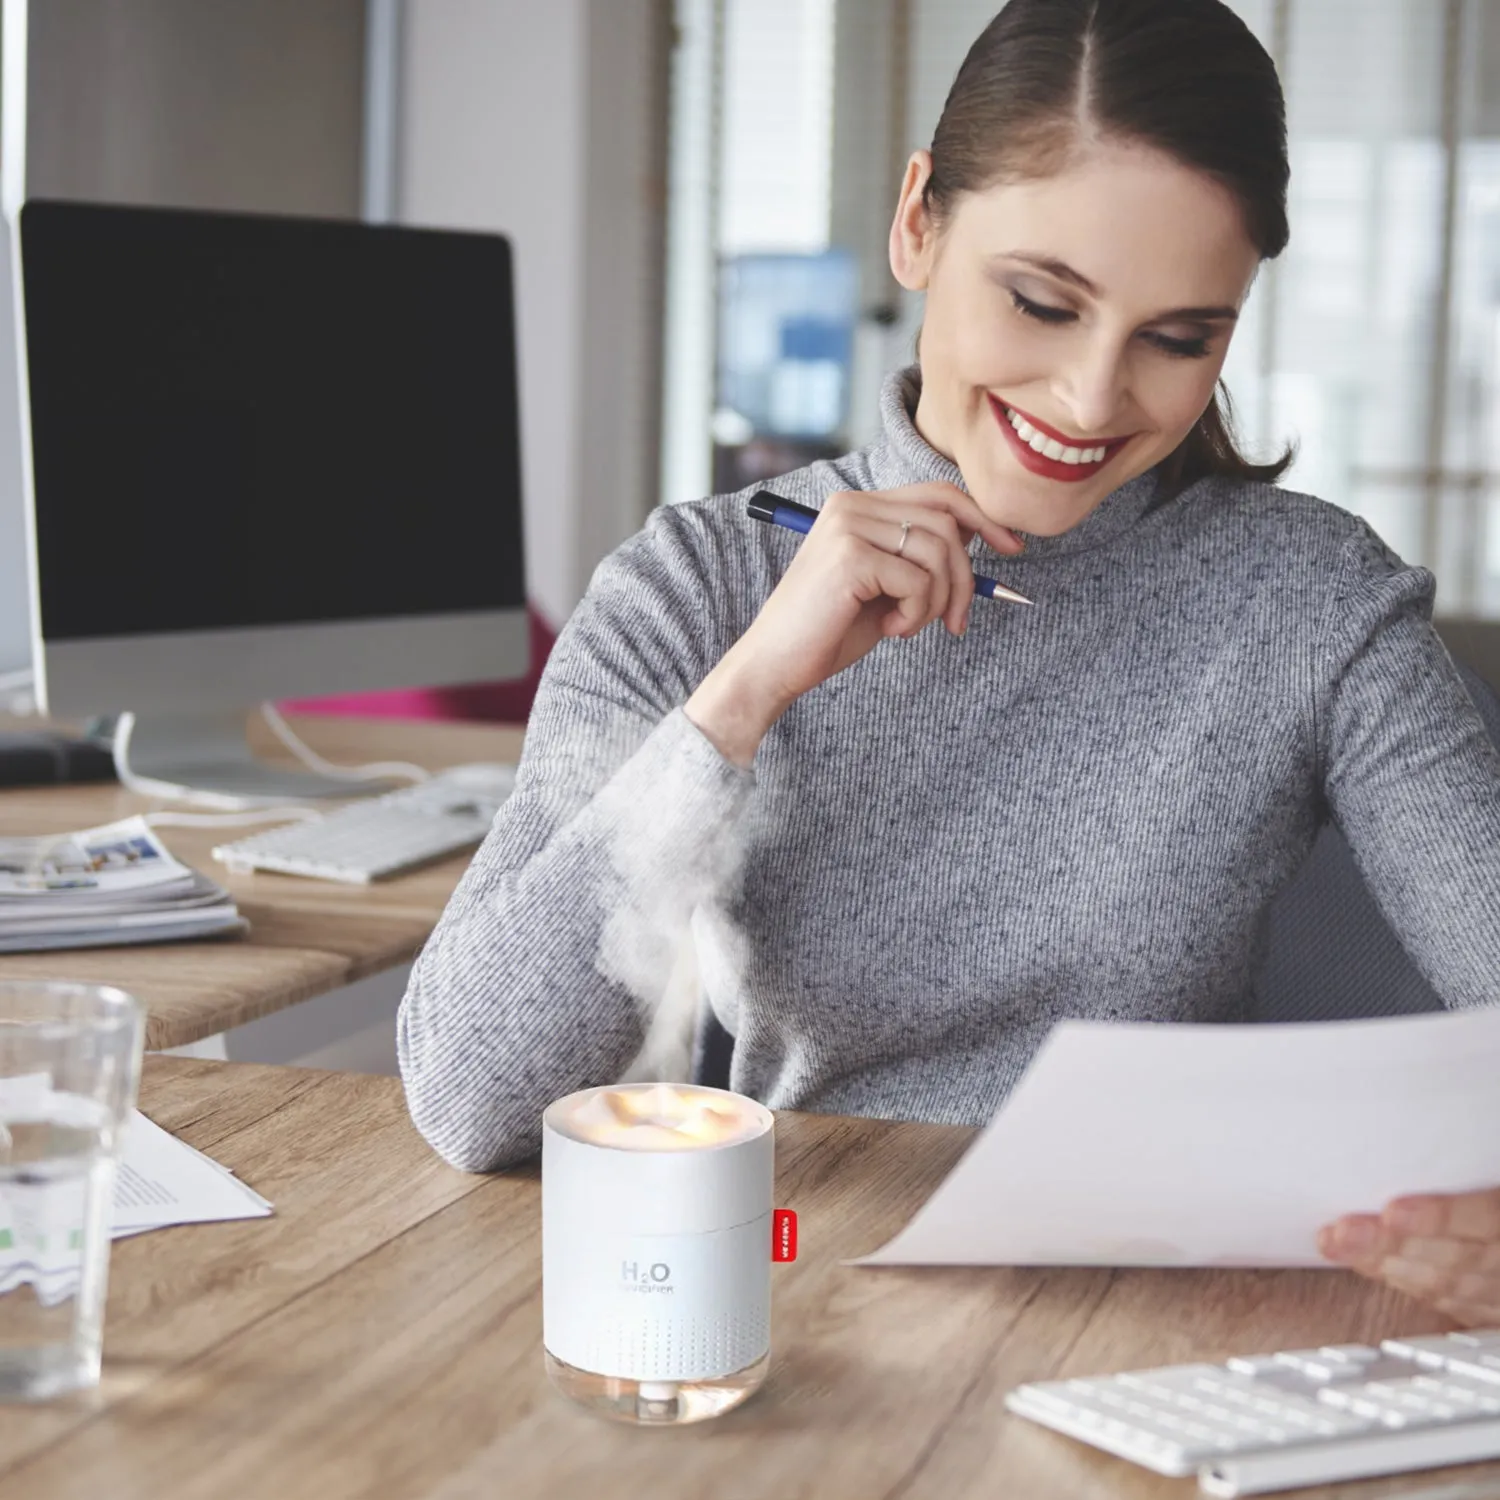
(905, 532)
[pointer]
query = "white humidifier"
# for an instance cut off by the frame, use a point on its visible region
(657, 1245)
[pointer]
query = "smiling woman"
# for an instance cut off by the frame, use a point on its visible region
(888, 840)
(1060, 216)
(1111, 337)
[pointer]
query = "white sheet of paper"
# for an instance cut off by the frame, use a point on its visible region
(164, 1181)
(1141, 1144)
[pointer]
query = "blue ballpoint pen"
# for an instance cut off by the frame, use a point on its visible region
(764, 506)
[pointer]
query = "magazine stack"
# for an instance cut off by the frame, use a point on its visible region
(103, 886)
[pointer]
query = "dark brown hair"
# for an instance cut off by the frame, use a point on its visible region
(1186, 77)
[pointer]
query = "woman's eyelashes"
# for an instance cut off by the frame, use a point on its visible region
(1043, 313)
(1181, 348)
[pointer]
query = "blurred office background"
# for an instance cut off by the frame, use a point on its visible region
(1374, 341)
(698, 193)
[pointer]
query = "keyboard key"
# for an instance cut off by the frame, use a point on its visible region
(1314, 1364)
(1090, 1410)
(1264, 1400)
(1482, 1396)
(1169, 1377)
(1378, 1405)
(1477, 1338)
(1480, 1366)
(1352, 1354)
(1426, 1351)
(1409, 1396)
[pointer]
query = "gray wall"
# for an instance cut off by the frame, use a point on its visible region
(197, 103)
(547, 122)
(626, 86)
(15, 623)
(191, 103)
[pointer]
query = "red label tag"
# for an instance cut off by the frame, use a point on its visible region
(783, 1235)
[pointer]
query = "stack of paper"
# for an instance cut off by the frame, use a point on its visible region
(161, 1181)
(102, 886)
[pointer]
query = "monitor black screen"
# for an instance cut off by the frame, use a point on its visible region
(241, 420)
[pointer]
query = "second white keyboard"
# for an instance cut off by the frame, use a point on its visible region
(382, 836)
(1298, 1417)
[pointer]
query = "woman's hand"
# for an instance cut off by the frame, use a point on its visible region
(844, 592)
(1442, 1248)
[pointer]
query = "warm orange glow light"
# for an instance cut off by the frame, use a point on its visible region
(658, 1117)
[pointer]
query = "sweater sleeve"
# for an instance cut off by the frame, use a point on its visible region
(1409, 772)
(566, 930)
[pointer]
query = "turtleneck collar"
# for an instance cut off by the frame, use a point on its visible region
(903, 456)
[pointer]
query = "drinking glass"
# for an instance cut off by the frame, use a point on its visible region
(70, 1062)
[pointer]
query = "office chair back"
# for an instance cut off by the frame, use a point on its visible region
(1332, 956)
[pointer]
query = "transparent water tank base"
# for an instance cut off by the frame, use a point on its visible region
(656, 1403)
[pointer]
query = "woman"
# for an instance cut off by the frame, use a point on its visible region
(892, 838)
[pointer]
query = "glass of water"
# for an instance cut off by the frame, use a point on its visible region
(70, 1061)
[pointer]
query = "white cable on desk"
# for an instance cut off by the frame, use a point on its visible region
(232, 819)
(233, 806)
(315, 762)
(161, 791)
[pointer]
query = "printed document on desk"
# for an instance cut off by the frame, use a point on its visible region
(1141, 1144)
(161, 1182)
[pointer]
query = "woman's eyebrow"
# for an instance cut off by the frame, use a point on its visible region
(1064, 272)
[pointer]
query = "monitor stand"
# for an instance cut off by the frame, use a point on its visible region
(206, 758)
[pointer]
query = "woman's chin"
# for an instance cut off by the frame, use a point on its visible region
(1013, 503)
(1035, 518)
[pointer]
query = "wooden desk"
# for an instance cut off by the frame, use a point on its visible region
(381, 1335)
(307, 936)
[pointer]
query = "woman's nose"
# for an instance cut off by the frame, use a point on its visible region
(1092, 392)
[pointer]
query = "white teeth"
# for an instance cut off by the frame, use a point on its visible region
(1040, 443)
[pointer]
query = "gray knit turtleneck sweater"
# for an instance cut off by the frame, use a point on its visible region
(1077, 809)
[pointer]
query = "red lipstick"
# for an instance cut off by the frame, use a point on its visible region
(1039, 463)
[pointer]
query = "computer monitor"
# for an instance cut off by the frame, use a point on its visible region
(268, 457)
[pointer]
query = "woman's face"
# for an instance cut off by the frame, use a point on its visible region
(1089, 312)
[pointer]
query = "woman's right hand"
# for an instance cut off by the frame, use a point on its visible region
(844, 592)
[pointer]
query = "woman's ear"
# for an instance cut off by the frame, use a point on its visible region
(913, 232)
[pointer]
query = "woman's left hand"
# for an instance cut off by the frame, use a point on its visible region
(1442, 1248)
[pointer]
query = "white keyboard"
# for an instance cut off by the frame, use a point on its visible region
(381, 836)
(1303, 1416)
